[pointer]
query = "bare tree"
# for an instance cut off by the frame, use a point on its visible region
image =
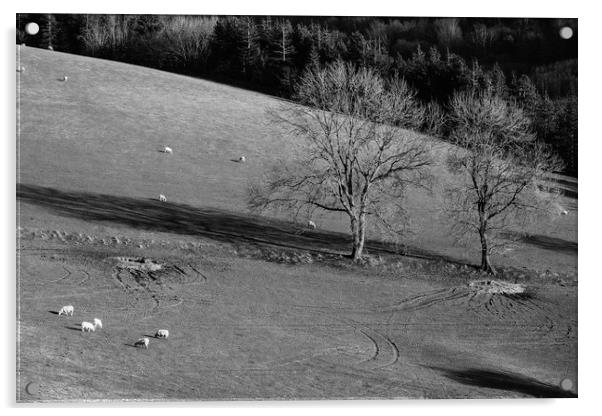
(448, 31)
(482, 36)
(187, 39)
(353, 157)
(499, 166)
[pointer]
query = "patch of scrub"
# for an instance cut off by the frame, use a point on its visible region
(138, 263)
(497, 287)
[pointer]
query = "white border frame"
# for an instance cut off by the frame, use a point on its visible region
(590, 150)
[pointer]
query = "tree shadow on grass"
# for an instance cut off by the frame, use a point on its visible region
(545, 242)
(500, 380)
(221, 225)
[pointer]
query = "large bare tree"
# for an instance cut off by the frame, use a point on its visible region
(500, 166)
(355, 157)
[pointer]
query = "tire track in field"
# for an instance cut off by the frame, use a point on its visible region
(66, 275)
(385, 351)
(86, 277)
(517, 311)
(514, 310)
(426, 300)
(146, 281)
(499, 306)
(198, 272)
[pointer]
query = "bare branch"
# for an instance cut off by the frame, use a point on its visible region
(355, 158)
(498, 165)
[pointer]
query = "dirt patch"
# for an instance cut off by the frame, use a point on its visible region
(142, 264)
(492, 287)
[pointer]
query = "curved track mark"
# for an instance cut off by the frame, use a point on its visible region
(67, 274)
(386, 352)
(86, 277)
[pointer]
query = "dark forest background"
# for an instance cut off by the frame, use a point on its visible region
(525, 60)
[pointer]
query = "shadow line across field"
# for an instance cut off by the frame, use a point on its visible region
(504, 381)
(221, 225)
(550, 243)
(225, 226)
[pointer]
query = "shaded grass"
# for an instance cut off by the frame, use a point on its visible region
(260, 237)
(500, 380)
(221, 225)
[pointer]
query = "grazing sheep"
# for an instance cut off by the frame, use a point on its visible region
(66, 310)
(162, 333)
(142, 342)
(242, 159)
(564, 212)
(21, 69)
(162, 198)
(88, 327)
(167, 149)
(65, 78)
(97, 323)
(311, 224)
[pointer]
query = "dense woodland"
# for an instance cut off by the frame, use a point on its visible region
(523, 60)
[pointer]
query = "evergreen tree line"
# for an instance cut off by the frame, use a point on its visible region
(520, 59)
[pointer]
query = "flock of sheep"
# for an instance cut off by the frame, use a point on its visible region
(97, 323)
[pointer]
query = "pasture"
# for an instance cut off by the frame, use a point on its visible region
(256, 307)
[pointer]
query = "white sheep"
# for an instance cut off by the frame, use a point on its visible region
(65, 78)
(242, 159)
(97, 323)
(311, 224)
(50, 48)
(162, 198)
(142, 342)
(88, 327)
(162, 333)
(21, 69)
(167, 149)
(564, 212)
(66, 310)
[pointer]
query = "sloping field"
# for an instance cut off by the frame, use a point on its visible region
(249, 329)
(244, 322)
(101, 132)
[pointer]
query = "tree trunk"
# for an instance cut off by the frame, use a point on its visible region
(283, 44)
(358, 233)
(485, 262)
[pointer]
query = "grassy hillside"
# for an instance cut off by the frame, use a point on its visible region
(102, 129)
(243, 322)
(101, 132)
